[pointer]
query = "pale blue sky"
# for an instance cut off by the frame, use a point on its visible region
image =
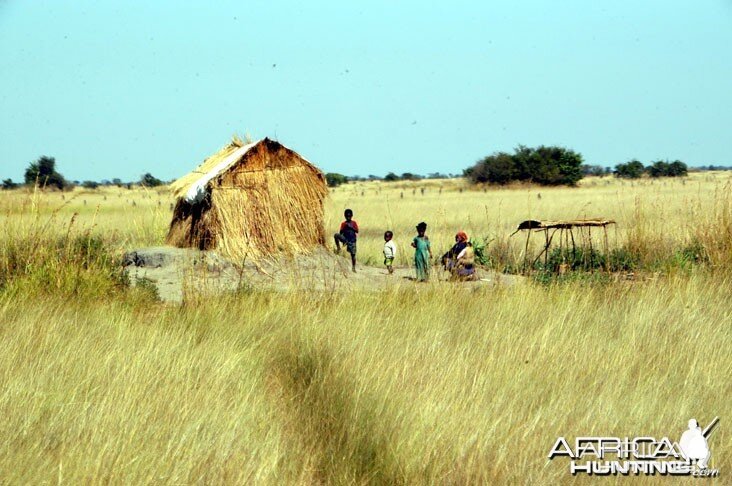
(115, 89)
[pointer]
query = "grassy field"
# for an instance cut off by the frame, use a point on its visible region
(434, 384)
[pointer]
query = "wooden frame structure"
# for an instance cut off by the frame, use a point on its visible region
(566, 235)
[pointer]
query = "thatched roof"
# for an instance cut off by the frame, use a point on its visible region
(250, 200)
(573, 223)
(192, 186)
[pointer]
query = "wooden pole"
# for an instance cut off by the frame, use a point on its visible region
(546, 248)
(574, 248)
(607, 250)
(526, 248)
(589, 238)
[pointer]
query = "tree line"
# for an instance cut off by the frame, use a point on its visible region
(635, 169)
(544, 165)
(553, 166)
(335, 179)
(43, 173)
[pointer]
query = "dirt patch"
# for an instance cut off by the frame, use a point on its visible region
(175, 271)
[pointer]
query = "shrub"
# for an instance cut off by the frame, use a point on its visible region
(662, 168)
(480, 249)
(543, 165)
(629, 170)
(43, 172)
(9, 184)
(334, 179)
(148, 180)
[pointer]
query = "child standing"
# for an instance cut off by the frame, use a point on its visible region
(422, 252)
(389, 251)
(347, 235)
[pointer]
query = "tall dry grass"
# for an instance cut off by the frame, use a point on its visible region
(412, 387)
(424, 385)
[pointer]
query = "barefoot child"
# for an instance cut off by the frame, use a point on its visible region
(347, 235)
(422, 252)
(389, 251)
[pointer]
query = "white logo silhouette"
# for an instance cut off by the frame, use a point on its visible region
(693, 443)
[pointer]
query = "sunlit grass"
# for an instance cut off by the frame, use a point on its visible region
(412, 385)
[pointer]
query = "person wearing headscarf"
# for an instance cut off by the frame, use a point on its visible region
(449, 259)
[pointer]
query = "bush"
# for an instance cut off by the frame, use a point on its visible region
(43, 172)
(658, 169)
(90, 185)
(480, 249)
(662, 168)
(9, 184)
(677, 169)
(148, 180)
(629, 170)
(543, 165)
(334, 180)
(499, 168)
(67, 265)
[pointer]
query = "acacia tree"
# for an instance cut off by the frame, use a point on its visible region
(43, 172)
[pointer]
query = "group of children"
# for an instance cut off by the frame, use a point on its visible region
(459, 260)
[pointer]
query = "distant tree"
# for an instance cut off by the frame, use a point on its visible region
(499, 168)
(391, 177)
(550, 166)
(105, 182)
(148, 180)
(408, 176)
(117, 182)
(90, 185)
(658, 168)
(677, 169)
(334, 179)
(43, 172)
(629, 170)
(373, 177)
(9, 184)
(542, 165)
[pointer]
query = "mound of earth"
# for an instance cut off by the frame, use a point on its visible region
(175, 271)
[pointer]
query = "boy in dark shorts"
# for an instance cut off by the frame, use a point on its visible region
(389, 251)
(347, 235)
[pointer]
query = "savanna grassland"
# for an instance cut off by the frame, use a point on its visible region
(419, 384)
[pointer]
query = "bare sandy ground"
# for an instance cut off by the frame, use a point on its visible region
(176, 271)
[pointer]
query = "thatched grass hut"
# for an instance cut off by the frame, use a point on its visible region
(250, 200)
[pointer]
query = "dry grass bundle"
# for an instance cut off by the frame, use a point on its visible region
(267, 200)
